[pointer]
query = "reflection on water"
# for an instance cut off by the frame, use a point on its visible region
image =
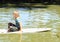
(34, 18)
(31, 17)
(10, 37)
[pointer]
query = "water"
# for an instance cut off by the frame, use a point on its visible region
(35, 18)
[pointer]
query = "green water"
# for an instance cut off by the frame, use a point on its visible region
(35, 18)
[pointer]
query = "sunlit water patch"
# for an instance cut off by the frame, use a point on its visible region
(31, 17)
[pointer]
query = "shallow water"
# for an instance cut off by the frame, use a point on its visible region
(35, 18)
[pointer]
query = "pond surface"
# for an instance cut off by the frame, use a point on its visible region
(34, 18)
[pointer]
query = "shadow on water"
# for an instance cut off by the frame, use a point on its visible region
(24, 5)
